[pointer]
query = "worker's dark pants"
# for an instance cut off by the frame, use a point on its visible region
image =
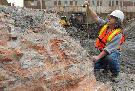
(111, 61)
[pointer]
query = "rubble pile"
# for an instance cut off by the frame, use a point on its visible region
(127, 72)
(36, 54)
(88, 31)
(85, 36)
(129, 29)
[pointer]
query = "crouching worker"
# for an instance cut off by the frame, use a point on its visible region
(108, 41)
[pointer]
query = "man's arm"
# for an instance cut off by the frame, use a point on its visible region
(101, 55)
(90, 13)
(110, 47)
(114, 44)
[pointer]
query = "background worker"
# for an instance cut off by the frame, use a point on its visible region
(109, 40)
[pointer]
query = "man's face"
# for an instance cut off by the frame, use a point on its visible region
(111, 20)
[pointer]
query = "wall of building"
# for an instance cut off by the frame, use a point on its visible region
(102, 7)
(35, 4)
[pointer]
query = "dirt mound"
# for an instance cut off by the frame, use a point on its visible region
(36, 54)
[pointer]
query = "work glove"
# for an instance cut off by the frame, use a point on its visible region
(86, 3)
(95, 58)
(101, 55)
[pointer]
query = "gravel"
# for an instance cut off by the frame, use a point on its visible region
(23, 19)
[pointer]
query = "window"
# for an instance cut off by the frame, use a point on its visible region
(120, 3)
(100, 3)
(65, 2)
(112, 3)
(127, 3)
(117, 2)
(59, 2)
(71, 2)
(55, 3)
(109, 3)
(93, 3)
(75, 2)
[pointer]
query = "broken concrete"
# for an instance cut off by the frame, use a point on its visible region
(46, 58)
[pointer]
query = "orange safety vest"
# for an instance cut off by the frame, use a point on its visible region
(105, 37)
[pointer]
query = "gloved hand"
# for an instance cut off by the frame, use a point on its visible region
(86, 3)
(95, 58)
(101, 55)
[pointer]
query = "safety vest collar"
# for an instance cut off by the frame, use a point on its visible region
(111, 35)
(103, 29)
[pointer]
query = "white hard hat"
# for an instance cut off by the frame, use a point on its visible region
(119, 14)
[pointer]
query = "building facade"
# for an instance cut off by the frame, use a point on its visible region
(35, 4)
(65, 5)
(100, 6)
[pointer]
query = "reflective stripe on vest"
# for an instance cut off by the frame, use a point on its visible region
(114, 33)
(103, 29)
(104, 37)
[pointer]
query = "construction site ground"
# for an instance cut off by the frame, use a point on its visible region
(38, 54)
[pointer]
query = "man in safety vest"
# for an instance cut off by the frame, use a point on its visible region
(109, 40)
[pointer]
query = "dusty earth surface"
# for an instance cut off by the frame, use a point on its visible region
(127, 72)
(37, 54)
